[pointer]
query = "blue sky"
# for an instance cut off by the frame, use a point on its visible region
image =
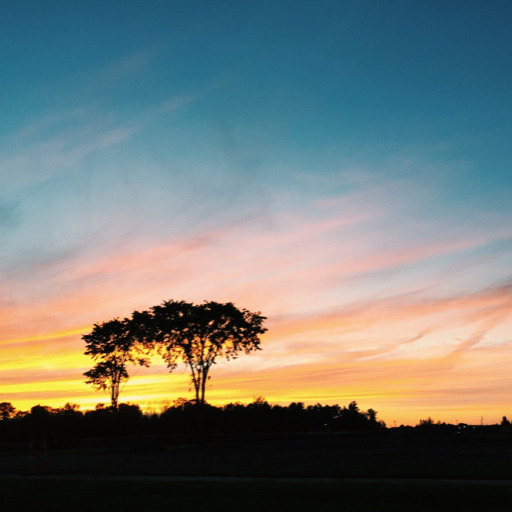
(337, 164)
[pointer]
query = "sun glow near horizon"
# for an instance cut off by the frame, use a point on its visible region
(401, 390)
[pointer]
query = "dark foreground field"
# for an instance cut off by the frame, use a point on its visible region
(260, 495)
(377, 472)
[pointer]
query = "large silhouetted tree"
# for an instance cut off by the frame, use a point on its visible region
(199, 334)
(112, 345)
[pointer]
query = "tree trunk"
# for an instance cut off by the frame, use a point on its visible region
(203, 386)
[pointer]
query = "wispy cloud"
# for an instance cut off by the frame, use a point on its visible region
(45, 157)
(177, 102)
(126, 66)
(359, 295)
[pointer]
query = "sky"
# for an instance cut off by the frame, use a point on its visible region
(343, 167)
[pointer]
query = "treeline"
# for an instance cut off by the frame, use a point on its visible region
(182, 418)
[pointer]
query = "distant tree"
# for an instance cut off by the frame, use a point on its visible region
(429, 422)
(40, 416)
(41, 411)
(199, 334)
(7, 411)
(259, 403)
(323, 417)
(112, 345)
(182, 403)
(371, 414)
(70, 409)
(129, 418)
(351, 418)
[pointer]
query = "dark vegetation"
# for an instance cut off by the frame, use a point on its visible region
(129, 469)
(254, 440)
(66, 456)
(182, 419)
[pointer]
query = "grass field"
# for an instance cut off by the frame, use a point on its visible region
(107, 495)
(281, 473)
(276, 456)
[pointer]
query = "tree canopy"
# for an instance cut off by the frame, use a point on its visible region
(199, 334)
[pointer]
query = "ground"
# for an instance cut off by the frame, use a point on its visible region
(289, 472)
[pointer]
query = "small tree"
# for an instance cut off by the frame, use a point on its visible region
(198, 334)
(109, 374)
(7, 410)
(112, 345)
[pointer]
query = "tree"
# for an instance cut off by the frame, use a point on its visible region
(198, 334)
(109, 374)
(7, 410)
(112, 345)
